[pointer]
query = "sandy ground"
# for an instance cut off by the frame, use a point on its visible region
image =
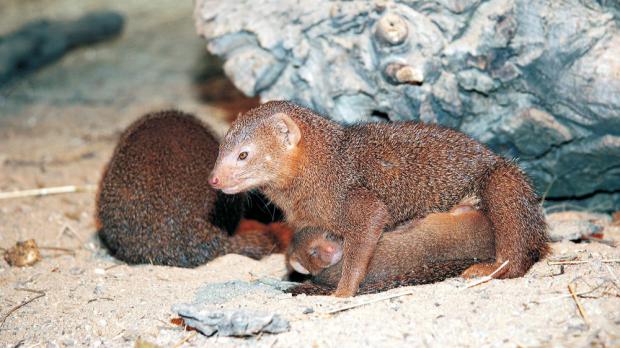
(59, 126)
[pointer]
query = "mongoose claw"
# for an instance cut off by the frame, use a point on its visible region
(343, 293)
(482, 270)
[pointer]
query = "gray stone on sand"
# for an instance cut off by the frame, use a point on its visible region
(206, 316)
(231, 322)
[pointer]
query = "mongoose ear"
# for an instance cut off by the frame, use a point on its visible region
(288, 128)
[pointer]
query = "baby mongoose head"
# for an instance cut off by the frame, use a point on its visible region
(258, 150)
(313, 249)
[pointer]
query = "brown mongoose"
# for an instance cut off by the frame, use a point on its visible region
(360, 180)
(431, 249)
(155, 205)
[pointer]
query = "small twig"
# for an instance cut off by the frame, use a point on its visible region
(66, 250)
(579, 262)
(113, 266)
(100, 298)
(46, 191)
(614, 281)
(582, 312)
(489, 277)
(29, 290)
(70, 231)
(187, 338)
(555, 274)
(573, 262)
(383, 298)
(40, 294)
(544, 196)
(577, 294)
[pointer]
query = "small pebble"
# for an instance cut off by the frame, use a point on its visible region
(76, 271)
(98, 290)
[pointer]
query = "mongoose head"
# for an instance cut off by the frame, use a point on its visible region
(259, 149)
(312, 250)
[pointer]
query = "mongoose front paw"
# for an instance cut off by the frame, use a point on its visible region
(343, 293)
(484, 269)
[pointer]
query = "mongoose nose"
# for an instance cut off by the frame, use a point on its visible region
(214, 181)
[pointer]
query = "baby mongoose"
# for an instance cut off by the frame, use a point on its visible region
(155, 205)
(357, 181)
(422, 251)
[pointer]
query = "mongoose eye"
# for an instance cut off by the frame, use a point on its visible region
(313, 252)
(243, 155)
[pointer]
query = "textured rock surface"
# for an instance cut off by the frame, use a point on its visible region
(238, 323)
(203, 313)
(538, 80)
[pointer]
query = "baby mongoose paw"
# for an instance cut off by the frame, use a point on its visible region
(483, 269)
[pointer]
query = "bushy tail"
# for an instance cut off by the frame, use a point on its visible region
(511, 205)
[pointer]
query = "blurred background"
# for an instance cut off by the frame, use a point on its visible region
(156, 61)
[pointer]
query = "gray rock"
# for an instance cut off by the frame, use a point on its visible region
(238, 322)
(205, 313)
(44, 41)
(575, 226)
(538, 80)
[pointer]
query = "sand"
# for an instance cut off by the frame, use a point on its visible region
(59, 126)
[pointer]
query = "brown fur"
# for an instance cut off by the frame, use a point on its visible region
(154, 204)
(423, 251)
(360, 180)
(279, 231)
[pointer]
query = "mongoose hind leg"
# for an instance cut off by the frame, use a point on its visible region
(510, 203)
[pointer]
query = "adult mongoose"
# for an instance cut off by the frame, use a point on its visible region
(359, 180)
(434, 248)
(154, 204)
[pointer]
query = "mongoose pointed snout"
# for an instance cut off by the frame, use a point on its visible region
(214, 181)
